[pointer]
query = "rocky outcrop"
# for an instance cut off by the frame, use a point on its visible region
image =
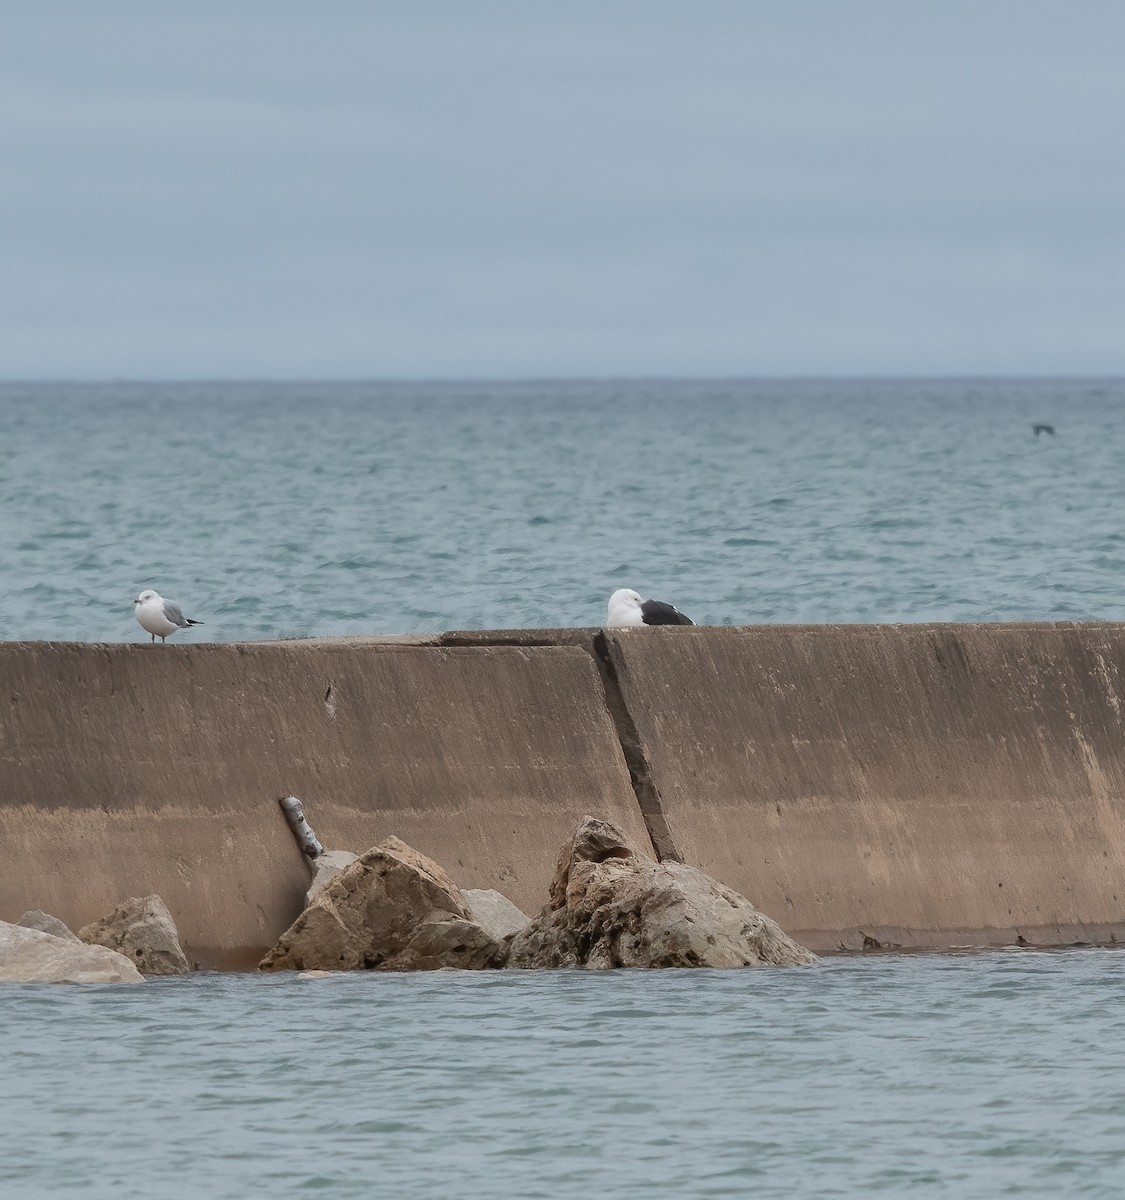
(611, 906)
(45, 923)
(143, 930)
(325, 867)
(494, 912)
(31, 956)
(392, 909)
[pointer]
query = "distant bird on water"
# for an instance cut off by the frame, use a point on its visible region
(158, 616)
(1043, 429)
(627, 608)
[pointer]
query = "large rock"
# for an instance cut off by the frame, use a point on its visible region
(45, 923)
(392, 909)
(31, 956)
(143, 930)
(494, 912)
(614, 907)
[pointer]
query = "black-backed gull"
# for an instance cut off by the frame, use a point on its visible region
(627, 608)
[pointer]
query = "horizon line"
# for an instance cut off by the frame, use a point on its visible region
(818, 377)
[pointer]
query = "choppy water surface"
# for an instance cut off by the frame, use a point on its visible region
(971, 1076)
(296, 509)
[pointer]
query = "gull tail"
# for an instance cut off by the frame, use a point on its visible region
(191, 622)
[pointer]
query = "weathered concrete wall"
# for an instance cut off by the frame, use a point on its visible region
(920, 785)
(132, 769)
(915, 785)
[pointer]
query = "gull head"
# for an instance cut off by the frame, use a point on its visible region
(146, 596)
(625, 607)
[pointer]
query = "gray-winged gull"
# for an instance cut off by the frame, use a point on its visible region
(158, 616)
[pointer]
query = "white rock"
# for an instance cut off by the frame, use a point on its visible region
(31, 956)
(45, 923)
(494, 912)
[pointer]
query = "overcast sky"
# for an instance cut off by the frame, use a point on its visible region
(525, 188)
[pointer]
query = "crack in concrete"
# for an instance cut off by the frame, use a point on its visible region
(640, 770)
(596, 644)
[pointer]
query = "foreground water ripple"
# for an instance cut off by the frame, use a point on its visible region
(969, 1075)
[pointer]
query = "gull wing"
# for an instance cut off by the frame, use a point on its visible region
(173, 613)
(656, 612)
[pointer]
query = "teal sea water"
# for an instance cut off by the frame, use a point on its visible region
(299, 509)
(973, 1076)
(308, 509)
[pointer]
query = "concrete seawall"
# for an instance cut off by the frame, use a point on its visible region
(901, 785)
